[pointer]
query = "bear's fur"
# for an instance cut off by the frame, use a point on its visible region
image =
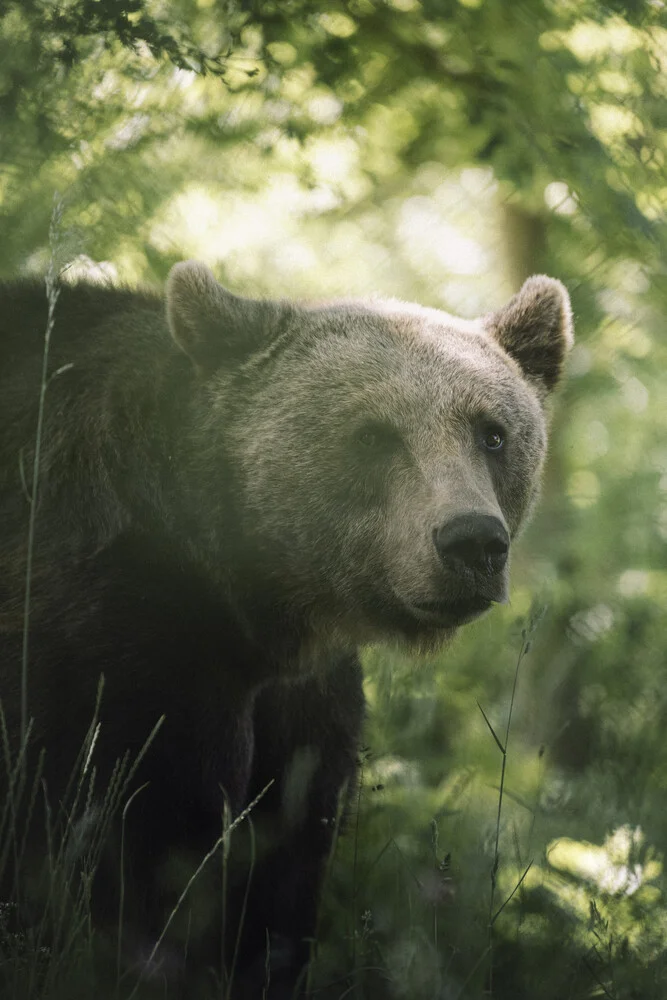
(232, 497)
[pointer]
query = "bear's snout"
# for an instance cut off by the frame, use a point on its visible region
(475, 542)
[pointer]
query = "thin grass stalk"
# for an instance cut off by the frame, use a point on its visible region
(116, 791)
(195, 875)
(52, 294)
(503, 747)
(16, 777)
(121, 901)
(82, 756)
(226, 846)
(244, 906)
(512, 894)
(355, 861)
(70, 816)
(109, 804)
(42, 928)
(31, 803)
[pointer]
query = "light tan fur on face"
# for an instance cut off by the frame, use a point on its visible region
(348, 533)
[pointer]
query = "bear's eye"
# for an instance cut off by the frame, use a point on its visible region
(376, 437)
(493, 438)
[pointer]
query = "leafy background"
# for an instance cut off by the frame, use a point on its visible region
(440, 151)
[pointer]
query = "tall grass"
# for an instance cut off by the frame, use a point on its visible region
(52, 282)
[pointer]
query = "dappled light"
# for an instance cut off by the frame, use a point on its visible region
(507, 835)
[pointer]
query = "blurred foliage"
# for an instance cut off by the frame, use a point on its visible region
(440, 151)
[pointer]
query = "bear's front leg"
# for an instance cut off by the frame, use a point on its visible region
(307, 736)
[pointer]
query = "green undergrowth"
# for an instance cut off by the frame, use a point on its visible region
(455, 877)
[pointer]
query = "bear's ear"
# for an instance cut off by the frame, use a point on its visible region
(211, 325)
(535, 328)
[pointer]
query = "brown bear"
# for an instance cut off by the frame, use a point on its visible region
(233, 496)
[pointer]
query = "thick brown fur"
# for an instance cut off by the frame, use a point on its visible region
(225, 514)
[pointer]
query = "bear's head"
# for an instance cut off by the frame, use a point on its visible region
(383, 455)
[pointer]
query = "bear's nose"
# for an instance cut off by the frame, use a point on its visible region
(473, 541)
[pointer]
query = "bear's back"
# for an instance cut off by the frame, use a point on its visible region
(97, 331)
(109, 353)
(80, 310)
